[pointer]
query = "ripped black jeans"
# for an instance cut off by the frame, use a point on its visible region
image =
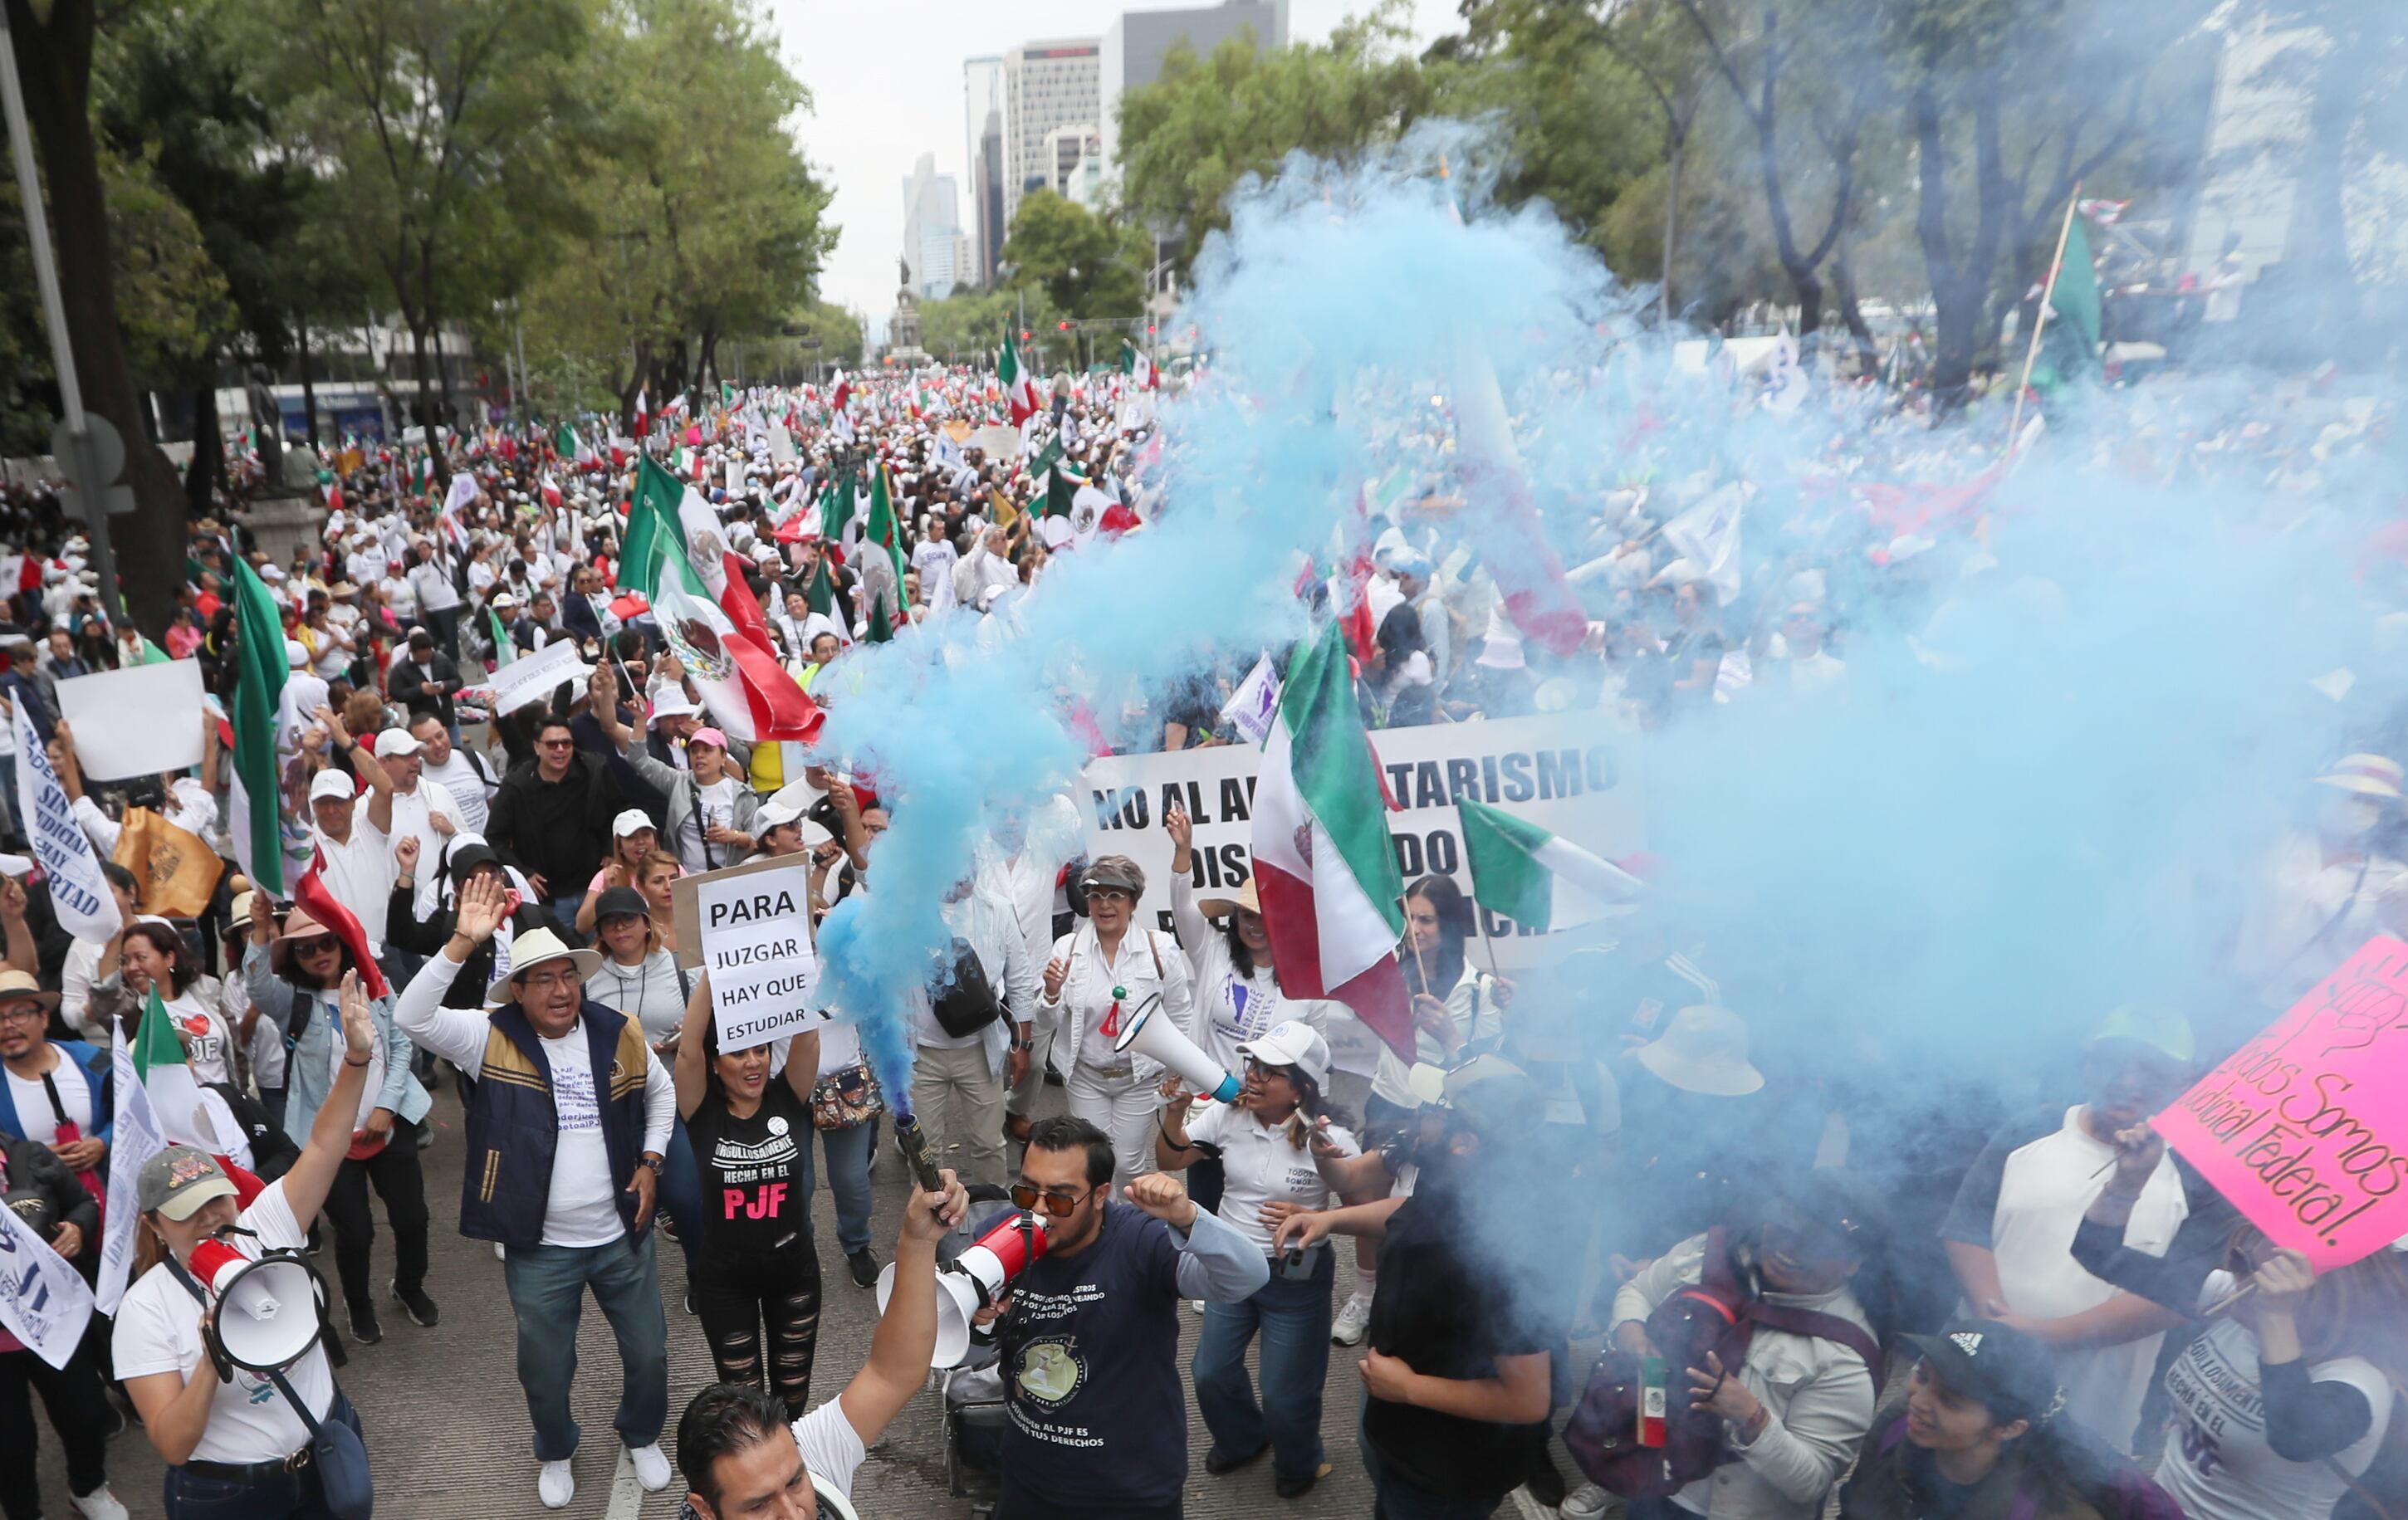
(739, 1294)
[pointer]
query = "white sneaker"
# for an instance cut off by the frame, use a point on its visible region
(1586, 1502)
(1351, 1321)
(1196, 1306)
(651, 1468)
(100, 1504)
(558, 1486)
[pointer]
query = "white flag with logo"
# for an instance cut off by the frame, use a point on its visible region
(1253, 705)
(43, 1300)
(134, 1141)
(78, 892)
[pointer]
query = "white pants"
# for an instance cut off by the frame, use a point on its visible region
(1122, 1108)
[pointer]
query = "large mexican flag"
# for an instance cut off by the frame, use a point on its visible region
(1324, 865)
(1536, 877)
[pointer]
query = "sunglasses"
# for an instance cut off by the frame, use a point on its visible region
(1056, 1205)
(555, 743)
(313, 947)
(1256, 1068)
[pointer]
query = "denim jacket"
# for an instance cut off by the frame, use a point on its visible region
(310, 1066)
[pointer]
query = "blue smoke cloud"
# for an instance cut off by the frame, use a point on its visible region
(2040, 791)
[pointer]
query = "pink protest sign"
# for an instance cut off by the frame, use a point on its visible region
(2305, 1128)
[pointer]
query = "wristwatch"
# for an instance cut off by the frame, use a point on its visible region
(1024, 1044)
(651, 1160)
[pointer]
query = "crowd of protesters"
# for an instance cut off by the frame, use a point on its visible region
(2020, 1323)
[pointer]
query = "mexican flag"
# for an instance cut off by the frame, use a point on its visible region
(569, 446)
(1137, 366)
(881, 529)
(260, 670)
(1508, 535)
(2070, 345)
(551, 491)
(1331, 896)
(168, 1081)
(1540, 879)
(879, 631)
(747, 692)
(504, 650)
(652, 529)
(1019, 386)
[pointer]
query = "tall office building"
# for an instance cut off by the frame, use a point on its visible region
(982, 149)
(1046, 86)
(1133, 51)
(932, 227)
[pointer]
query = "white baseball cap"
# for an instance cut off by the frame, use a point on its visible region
(1291, 1042)
(672, 702)
(333, 784)
(630, 822)
(396, 743)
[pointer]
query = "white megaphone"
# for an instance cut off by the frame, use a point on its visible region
(1154, 1034)
(267, 1309)
(975, 1280)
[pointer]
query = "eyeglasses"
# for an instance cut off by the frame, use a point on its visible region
(26, 1013)
(546, 980)
(555, 743)
(1256, 1068)
(1058, 1204)
(1110, 894)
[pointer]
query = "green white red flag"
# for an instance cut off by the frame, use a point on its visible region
(1324, 865)
(1536, 877)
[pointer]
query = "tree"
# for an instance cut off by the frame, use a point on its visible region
(971, 323)
(1650, 40)
(1085, 264)
(446, 126)
(54, 58)
(175, 97)
(2010, 105)
(1840, 96)
(1202, 126)
(701, 218)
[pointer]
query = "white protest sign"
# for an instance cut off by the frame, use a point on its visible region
(533, 678)
(999, 441)
(781, 444)
(43, 1300)
(756, 944)
(80, 893)
(135, 722)
(1576, 775)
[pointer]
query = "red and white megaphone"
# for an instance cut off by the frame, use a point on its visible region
(267, 1314)
(975, 1280)
(1149, 1032)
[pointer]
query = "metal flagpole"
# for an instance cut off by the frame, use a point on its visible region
(2040, 324)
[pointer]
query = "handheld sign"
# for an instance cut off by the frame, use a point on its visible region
(755, 934)
(2305, 1128)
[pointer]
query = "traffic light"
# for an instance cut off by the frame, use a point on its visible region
(1023, 334)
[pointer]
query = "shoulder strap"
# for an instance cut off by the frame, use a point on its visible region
(1155, 951)
(302, 1409)
(1822, 1327)
(685, 984)
(51, 1090)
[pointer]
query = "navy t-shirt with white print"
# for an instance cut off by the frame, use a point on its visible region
(1091, 1381)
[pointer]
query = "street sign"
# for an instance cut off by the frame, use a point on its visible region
(105, 461)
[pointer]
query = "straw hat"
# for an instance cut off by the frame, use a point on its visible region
(1703, 1050)
(2368, 775)
(20, 987)
(538, 947)
(1222, 907)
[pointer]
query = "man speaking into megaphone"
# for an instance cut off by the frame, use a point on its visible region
(218, 1422)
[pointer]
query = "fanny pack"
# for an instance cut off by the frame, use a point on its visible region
(966, 1003)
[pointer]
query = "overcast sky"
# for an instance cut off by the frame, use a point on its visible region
(886, 87)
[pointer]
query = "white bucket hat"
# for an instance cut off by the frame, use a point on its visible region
(2368, 775)
(1703, 1050)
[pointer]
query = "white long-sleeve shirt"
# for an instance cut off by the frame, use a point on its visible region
(986, 921)
(582, 1208)
(1147, 963)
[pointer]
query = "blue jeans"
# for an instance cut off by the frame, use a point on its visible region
(1394, 1499)
(1293, 1315)
(564, 909)
(681, 1193)
(547, 1286)
(849, 1151)
(291, 1496)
